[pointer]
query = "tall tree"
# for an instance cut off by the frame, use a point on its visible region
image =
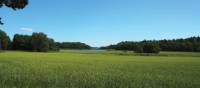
(5, 40)
(14, 4)
(40, 42)
(21, 42)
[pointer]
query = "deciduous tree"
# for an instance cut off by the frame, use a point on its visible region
(40, 42)
(14, 4)
(4, 40)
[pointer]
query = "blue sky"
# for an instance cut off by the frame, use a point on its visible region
(104, 22)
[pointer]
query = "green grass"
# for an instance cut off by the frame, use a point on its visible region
(68, 69)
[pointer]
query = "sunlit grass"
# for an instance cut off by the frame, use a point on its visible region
(81, 70)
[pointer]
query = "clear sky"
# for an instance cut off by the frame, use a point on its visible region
(104, 22)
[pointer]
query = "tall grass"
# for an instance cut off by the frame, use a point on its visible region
(79, 70)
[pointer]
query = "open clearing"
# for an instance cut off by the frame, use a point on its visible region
(94, 70)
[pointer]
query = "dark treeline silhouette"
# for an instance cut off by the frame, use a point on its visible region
(73, 45)
(36, 42)
(139, 47)
(191, 44)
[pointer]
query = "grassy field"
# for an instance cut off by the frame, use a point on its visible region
(84, 69)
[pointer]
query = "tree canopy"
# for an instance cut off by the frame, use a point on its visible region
(14, 4)
(36, 42)
(39, 42)
(21, 42)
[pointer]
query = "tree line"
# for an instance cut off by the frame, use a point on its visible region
(38, 42)
(41, 43)
(139, 47)
(72, 45)
(191, 44)
(35, 42)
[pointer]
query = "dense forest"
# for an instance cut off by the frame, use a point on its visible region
(191, 44)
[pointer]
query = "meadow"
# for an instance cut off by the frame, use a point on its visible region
(99, 69)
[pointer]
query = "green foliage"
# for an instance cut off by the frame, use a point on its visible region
(151, 47)
(52, 45)
(36, 42)
(0, 45)
(78, 70)
(21, 42)
(39, 42)
(73, 45)
(4, 40)
(14, 4)
(125, 46)
(139, 48)
(191, 44)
